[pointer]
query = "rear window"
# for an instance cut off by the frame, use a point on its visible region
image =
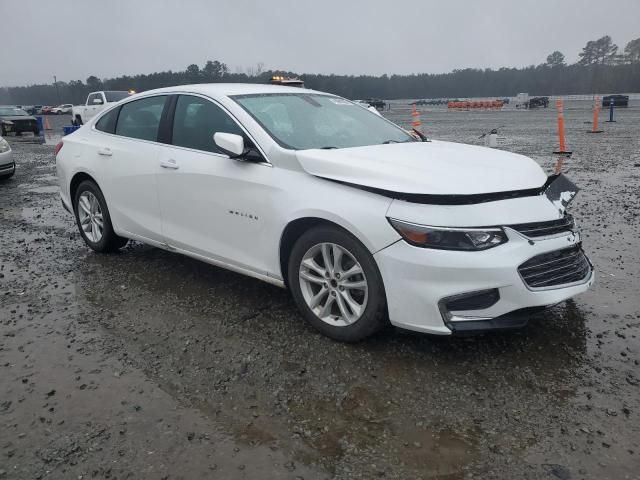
(115, 96)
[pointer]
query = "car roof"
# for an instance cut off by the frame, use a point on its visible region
(229, 89)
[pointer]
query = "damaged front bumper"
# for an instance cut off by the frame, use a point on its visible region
(421, 284)
(448, 291)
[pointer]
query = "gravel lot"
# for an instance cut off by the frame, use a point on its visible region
(146, 364)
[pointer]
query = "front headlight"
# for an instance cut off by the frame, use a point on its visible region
(4, 145)
(449, 238)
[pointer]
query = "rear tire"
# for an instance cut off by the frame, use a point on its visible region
(335, 315)
(91, 211)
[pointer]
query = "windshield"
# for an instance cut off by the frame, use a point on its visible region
(300, 121)
(115, 96)
(12, 112)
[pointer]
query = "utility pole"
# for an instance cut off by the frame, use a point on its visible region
(55, 82)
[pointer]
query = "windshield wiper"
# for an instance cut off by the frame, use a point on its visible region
(328, 148)
(387, 142)
(423, 137)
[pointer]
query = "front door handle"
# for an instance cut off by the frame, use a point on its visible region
(105, 152)
(171, 163)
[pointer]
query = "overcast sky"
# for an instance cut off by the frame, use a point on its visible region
(77, 38)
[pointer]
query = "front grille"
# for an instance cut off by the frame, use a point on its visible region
(23, 125)
(560, 267)
(8, 166)
(543, 229)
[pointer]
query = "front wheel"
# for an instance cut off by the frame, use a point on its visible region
(7, 176)
(336, 284)
(93, 219)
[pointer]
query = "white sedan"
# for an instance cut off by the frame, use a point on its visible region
(61, 109)
(362, 222)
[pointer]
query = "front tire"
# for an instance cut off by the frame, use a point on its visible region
(7, 176)
(336, 284)
(93, 219)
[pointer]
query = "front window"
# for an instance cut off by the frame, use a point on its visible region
(115, 96)
(195, 122)
(12, 112)
(300, 121)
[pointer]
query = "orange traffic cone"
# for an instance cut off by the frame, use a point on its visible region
(563, 149)
(416, 123)
(596, 116)
(47, 125)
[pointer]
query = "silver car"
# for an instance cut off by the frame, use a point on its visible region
(7, 165)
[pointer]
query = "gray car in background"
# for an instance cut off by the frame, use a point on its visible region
(15, 120)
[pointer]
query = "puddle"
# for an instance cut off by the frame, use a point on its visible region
(44, 189)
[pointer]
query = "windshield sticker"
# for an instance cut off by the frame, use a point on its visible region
(340, 101)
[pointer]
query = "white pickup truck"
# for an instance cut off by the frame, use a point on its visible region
(96, 102)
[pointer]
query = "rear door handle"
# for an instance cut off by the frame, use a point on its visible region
(171, 163)
(105, 151)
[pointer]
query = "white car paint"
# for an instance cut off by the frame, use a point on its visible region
(7, 165)
(437, 168)
(66, 108)
(233, 213)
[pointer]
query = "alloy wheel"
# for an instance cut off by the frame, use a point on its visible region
(90, 215)
(333, 284)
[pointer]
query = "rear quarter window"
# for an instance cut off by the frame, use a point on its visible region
(107, 122)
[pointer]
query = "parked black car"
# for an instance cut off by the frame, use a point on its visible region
(618, 100)
(539, 102)
(16, 120)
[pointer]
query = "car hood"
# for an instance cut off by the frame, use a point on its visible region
(13, 118)
(435, 168)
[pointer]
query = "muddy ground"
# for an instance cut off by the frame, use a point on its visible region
(146, 364)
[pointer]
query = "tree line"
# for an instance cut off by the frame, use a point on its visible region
(601, 68)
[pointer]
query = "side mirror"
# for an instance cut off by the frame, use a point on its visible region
(97, 101)
(231, 144)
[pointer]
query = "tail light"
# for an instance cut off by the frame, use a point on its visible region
(58, 148)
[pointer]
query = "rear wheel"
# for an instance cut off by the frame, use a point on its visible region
(93, 220)
(336, 284)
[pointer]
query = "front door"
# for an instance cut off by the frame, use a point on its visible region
(212, 205)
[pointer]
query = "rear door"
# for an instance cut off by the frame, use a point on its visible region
(212, 205)
(128, 152)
